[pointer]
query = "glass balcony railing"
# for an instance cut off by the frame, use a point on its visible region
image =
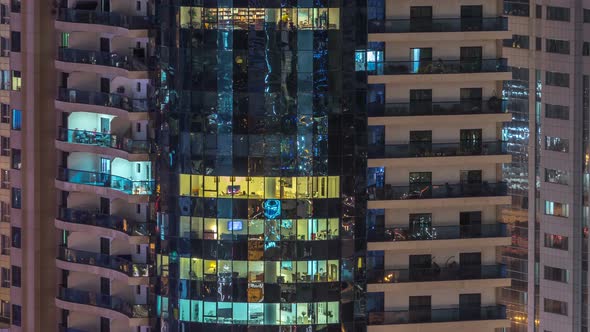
(104, 99)
(436, 274)
(439, 25)
(106, 180)
(425, 191)
(491, 106)
(106, 140)
(107, 261)
(127, 62)
(105, 301)
(120, 224)
(63, 328)
(405, 233)
(440, 67)
(104, 18)
(467, 148)
(428, 315)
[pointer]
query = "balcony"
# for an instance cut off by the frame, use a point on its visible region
(421, 195)
(106, 305)
(122, 65)
(439, 25)
(430, 233)
(471, 107)
(105, 142)
(118, 264)
(106, 103)
(438, 316)
(114, 184)
(104, 18)
(107, 222)
(63, 328)
(425, 150)
(436, 274)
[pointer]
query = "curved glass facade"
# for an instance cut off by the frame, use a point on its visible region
(262, 137)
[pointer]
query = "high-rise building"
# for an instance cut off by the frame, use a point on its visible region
(548, 50)
(436, 113)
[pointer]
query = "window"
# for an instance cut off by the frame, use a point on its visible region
(65, 39)
(556, 241)
(5, 277)
(557, 112)
(539, 11)
(557, 79)
(5, 310)
(15, 41)
(557, 46)
(16, 120)
(138, 5)
(4, 113)
(16, 315)
(15, 6)
(556, 144)
(16, 276)
(4, 212)
(538, 43)
(5, 244)
(517, 41)
(558, 14)
(557, 209)
(555, 307)
(4, 146)
(16, 159)
(16, 198)
(16, 236)
(586, 49)
(556, 274)
(4, 179)
(586, 15)
(556, 176)
(4, 79)
(16, 80)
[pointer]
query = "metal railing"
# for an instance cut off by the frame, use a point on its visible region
(106, 180)
(107, 261)
(428, 149)
(440, 66)
(93, 218)
(428, 315)
(436, 274)
(106, 140)
(127, 62)
(104, 99)
(491, 106)
(104, 301)
(104, 18)
(425, 191)
(439, 25)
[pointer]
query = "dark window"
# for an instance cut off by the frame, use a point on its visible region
(586, 15)
(16, 198)
(4, 113)
(586, 49)
(538, 43)
(556, 274)
(556, 241)
(5, 146)
(557, 46)
(16, 159)
(539, 11)
(5, 244)
(557, 79)
(4, 47)
(16, 276)
(557, 112)
(15, 41)
(16, 237)
(5, 277)
(16, 315)
(4, 178)
(556, 176)
(138, 5)
(557, 144)
(555, 307)
(517, 41)
(558, 14)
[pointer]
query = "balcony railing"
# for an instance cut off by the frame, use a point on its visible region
(436, 274)
(120, 224)
(440, 67)
(428, 315)
(104, 99)
(104, 18)
(127, 62)
(491, 106)
(63, 328)
(107, 261)
(405, 233)
(106, 180)
(425, 191)
(415, 150)
(104, 301)
(439, 25)
(106, 140)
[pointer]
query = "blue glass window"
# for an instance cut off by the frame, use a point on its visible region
(16, 119)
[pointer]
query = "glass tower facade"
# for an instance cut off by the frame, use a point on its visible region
(262, 158)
